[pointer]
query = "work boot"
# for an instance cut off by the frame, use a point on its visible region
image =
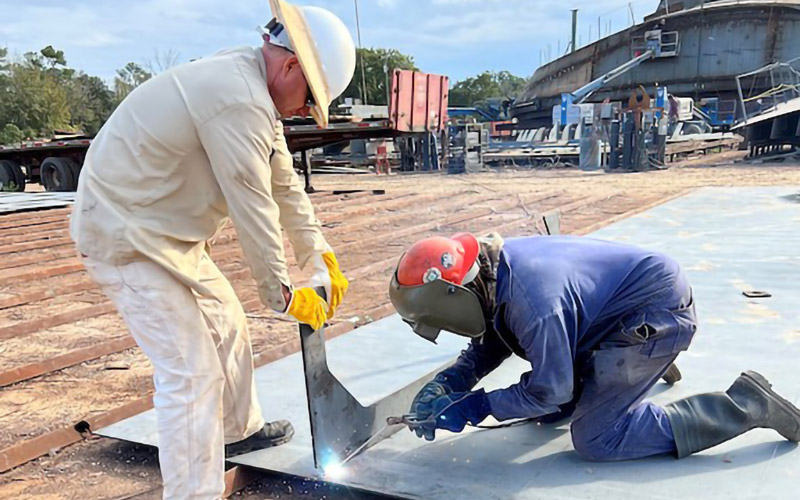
(706, 420)
(272, 434)
(672, 375)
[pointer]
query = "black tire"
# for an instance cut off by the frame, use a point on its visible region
(6, 178)
(16, 173)
(59, 174)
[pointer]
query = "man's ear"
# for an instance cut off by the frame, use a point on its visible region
(291, 65)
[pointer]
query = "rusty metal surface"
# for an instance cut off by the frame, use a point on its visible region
(718, 42)
(419, 101)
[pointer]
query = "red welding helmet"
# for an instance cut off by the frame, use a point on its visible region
(450, 259)
(427, 287)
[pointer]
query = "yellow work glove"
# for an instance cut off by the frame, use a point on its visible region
(308, 307)
(329, 275)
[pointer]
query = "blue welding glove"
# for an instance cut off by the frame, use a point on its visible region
(421, 406)
(453, 411)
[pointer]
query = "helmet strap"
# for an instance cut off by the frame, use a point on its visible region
(274, 33)
(483, 285)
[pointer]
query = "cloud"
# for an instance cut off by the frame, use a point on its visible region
(454, 37)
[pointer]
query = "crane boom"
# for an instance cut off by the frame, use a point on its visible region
(580, 95)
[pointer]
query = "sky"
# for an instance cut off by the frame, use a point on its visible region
(457, 38)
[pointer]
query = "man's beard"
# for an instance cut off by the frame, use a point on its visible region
(484, 286)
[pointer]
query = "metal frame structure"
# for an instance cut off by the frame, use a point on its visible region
(340, 424)
(787, 90)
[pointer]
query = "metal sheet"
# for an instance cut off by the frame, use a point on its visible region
(19, 202)
(385, 358)
(341, 426)
(729, 240)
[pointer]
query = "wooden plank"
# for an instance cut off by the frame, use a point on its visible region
(62, 361)
(50, 292)
(34, 245)
(27, 327)
(446, 221)
(34, 448)
(642, 208)
(239, 477)
(37, 274)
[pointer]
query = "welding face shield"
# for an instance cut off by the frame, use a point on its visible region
(436, 306)
(427, 288)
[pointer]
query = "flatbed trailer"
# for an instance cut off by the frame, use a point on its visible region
(55, 164)
(418, 104)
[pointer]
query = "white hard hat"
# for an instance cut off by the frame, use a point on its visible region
(325, 49)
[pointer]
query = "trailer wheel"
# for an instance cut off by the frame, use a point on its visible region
(14, 174)
(58, 174)
(6, 178)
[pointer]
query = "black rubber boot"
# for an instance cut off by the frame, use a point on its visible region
(272, 434)
(706, 420)
(672, 375)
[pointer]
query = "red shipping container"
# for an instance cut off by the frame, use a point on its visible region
(419, 101)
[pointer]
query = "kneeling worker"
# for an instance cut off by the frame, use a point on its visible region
(599, 322)
(183, 152)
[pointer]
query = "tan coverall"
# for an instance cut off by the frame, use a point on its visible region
(184, 151)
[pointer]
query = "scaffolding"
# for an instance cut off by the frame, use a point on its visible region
(768, 87)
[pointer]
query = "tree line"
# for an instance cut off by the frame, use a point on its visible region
(40, 94)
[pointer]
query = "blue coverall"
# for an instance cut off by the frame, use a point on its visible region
(600, 322)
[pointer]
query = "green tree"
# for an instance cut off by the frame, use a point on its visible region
(377, 64)
(477, 90)
(54, 57)
(128, 78)
(33, 97)
(11, 134)
(90, 102)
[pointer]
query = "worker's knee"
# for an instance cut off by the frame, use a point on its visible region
(592, 444)
(188, 385)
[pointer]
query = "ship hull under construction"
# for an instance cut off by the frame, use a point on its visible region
(717, 42)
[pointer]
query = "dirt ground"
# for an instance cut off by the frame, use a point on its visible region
(48, 306)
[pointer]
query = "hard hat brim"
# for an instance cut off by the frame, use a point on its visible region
(293, 21)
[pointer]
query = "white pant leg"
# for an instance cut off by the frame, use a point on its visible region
(227, 322)
(164, 318)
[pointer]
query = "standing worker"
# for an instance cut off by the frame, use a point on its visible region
(183, 152)
(599, 322)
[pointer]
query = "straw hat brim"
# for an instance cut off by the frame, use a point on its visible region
(293, 21)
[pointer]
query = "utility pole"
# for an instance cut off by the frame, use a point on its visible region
(386, 72)
(574, 29)
(361, 58)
